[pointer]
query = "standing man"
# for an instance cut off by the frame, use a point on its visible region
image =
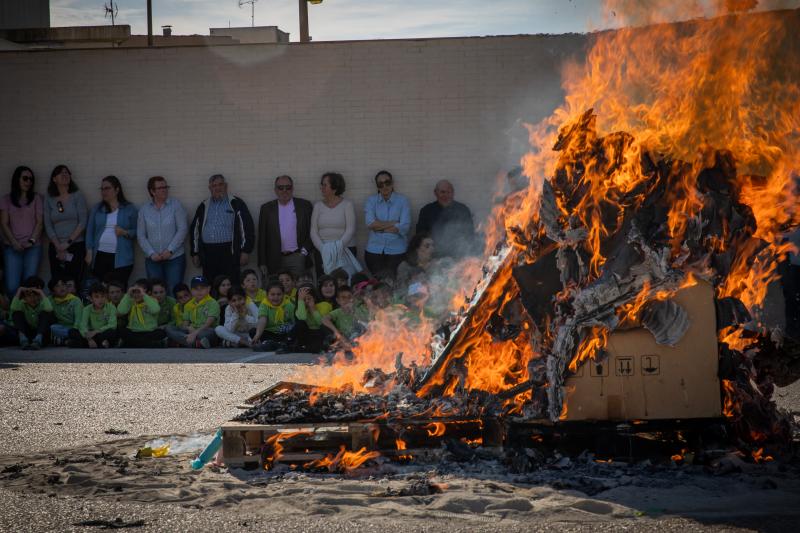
(222, 232)
(284, 232)
(388, 217)
(448, 222)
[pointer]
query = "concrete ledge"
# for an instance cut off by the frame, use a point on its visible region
(68, 34)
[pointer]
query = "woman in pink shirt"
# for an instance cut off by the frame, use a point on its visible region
(21, 225)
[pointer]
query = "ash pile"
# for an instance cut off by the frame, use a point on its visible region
(616, 233)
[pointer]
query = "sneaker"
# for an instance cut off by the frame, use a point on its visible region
(24, 341)
(226, 343)
(203, 343)
(36, 344)
(164, 343)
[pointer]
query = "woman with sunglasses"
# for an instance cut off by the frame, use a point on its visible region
(65, 221)
(21, 224)
(388, 217)
(111, 233)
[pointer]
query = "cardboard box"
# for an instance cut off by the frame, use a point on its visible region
(644, 380)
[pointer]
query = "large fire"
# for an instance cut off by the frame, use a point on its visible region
(696, 97)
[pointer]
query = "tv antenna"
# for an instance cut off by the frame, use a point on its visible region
(252, 10)
(112, 10)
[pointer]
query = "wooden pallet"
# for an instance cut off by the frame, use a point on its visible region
(397, 439)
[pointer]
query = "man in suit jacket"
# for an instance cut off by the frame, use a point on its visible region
(284, 232)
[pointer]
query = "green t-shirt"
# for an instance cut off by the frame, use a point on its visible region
(279, 319)
(67, 310)
(197, 313)
(98, 320)
(142, 316)
(346, 322)
(314, 318)
(31, 313)
(165, 311)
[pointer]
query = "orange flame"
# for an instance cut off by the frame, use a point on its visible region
(344, 461)
(435, 429)
(272, 450)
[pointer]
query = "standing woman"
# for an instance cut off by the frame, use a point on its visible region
(161, 231)
(333, 218)
(64, 222)
(21, 224)
(110, 234)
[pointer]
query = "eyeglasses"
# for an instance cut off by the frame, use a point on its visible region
(60, 206)
(382, 184)
(26, 178)
(284, 187)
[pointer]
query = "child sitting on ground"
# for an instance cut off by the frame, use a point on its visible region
(309, 330)
(200, 317)
(8, 335)
(182, 297)
(254, 293)
(98, 324)
(67, 310)
(275, 321)
(349, 320)
(240, 319)
(287, 279)
(115, 293)
(141, 310)
(165, 302)
(327, 290)
(341, 277)
(219, 291)
(32, 314)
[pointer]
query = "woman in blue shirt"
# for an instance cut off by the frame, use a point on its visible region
(388, 217)
(110, 233)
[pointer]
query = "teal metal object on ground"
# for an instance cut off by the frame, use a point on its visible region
(210, 451)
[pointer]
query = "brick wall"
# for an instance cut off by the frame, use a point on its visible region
(424, 109)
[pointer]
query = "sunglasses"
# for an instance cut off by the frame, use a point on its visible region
(284, 187)
(382, 184)
(60, 206)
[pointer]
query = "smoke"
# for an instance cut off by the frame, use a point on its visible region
(194, 442)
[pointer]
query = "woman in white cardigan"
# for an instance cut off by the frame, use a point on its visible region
(333, 218)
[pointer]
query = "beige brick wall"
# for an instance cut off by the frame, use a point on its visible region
(424, 109)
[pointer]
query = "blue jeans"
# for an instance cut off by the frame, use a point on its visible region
(170, 271)
(20, 265)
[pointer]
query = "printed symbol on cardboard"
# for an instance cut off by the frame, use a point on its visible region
(651, 365)
(599, 369)
(624, 366)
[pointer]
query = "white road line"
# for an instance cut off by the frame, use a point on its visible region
(251, 358)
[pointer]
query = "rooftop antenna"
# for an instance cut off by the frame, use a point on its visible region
(252, 10)
(112, 9)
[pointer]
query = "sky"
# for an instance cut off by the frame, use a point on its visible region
(358, 19)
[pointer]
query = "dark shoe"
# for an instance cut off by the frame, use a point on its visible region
(35, 345)
(285, 349)
(265, 346)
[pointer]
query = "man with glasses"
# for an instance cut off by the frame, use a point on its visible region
(284, 232)
(222, 232)
(388, 217)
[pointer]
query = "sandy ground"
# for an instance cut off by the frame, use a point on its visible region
(60, 469)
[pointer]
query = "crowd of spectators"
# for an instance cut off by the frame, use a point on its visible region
(310, 290)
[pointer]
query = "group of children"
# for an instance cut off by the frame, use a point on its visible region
(287, 315)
